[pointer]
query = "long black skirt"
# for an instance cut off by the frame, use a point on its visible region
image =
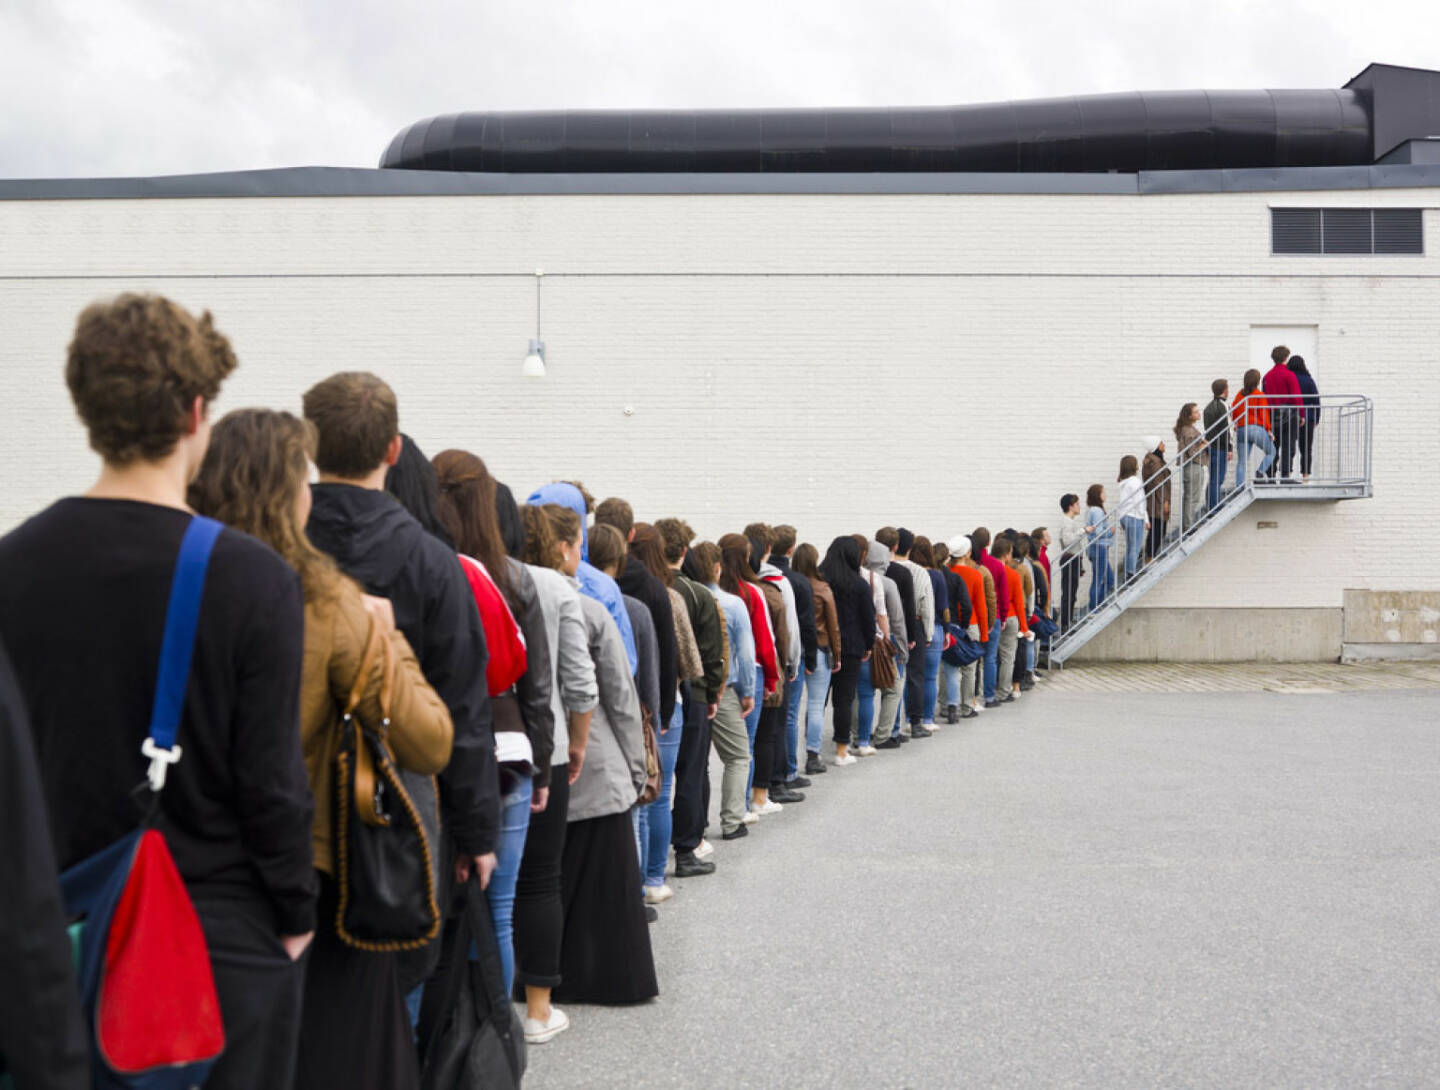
(605, 953)
(354, 1029)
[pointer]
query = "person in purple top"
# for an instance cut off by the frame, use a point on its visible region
(1308, 418)
(1282, 391)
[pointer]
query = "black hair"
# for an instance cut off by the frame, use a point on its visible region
(842, 560)
(1068, 501)
(412, 481)
(512, 527)
(1297, 365)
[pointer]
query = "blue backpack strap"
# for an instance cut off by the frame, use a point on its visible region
(181, 619)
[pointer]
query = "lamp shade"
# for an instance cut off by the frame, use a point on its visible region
(534, 365)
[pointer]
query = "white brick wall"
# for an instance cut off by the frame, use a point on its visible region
(835, 361)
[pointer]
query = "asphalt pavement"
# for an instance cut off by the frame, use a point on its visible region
(1078, 890)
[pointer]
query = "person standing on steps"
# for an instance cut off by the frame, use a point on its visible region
(1155, 477)
(1189, 452)
(1073, 535)
(1217, 440)
(1102, 540)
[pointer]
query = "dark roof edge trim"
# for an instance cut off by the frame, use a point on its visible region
(368, 182)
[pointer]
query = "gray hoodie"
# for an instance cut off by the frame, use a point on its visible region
(614, 769)
(877, 561)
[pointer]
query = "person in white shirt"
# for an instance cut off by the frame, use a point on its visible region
(1131, 510)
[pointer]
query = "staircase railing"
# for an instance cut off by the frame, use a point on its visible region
(1124, 559)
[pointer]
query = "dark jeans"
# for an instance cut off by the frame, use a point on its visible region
(769, 745)
(1217, 476)
(1156, 538)
(539, 921)
(1306, 436)
(259, 987)
(914, 680)
(692, 774)
(842, 696)
(1282, 428)
(1069, 588)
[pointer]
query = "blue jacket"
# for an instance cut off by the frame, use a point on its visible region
(594, 583)
(742, 642)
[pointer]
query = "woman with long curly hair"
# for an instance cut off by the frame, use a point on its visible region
(255, 477)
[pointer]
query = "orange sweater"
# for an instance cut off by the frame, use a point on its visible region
(975, 587)
(1251, 409)
(1017, 597)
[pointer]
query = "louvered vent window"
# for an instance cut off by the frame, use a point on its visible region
(1346, 231)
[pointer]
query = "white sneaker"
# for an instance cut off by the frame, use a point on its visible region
(750, 818)
(705, 850)
(654, 895)
(930, 724)
(866, 751)
(538, 1032)
(979, 706)
(770, 807)
(848, 759)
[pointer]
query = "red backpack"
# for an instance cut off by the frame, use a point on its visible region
(502, 635)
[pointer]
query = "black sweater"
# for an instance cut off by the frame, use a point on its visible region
(84, 588)
(804, 609)
(905, 584)
(636, 581)
(380, 545)
(855, 612)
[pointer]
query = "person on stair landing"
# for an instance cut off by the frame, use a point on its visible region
(1251, 415)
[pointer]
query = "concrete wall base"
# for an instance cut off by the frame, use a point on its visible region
(1218, 635)
(1393, 652)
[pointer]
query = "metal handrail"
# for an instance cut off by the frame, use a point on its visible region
(1343, 461)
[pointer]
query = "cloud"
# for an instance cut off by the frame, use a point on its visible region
(102, 87)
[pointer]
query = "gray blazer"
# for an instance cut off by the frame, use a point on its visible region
(573, 671)
(614, 771)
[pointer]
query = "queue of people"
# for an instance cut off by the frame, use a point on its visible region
(1276, 414)
(522, 696)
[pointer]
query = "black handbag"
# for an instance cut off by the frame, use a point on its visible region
(382, 853)
(470, 1034)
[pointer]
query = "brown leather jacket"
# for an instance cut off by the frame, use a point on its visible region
(827, 620)
(337, 627)
(1157, 499)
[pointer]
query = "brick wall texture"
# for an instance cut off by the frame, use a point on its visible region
(839, 362)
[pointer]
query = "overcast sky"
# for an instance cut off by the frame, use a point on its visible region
(125, 87)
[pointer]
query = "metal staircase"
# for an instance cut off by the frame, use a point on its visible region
(1340, 471)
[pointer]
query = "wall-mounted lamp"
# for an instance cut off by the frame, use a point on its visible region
(534, 365)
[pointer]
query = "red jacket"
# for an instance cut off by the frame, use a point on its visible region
(1282, 388)
(764, 638)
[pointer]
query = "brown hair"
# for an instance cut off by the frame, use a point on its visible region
(760, 535)
(466, 508)
(1252, 381)
(254, 469)
(735, 562)
(646, 546)
(355, 417)
(1092, 496)
(1279, 354)
(705, 555)
(607, 547)
(783, 538)
(1000, 549)
(979, 539)
(940, 552)
(807, 561)
(135, 367)
(1219, 386)
(1129, 466)
(617, 513)
(542, 547)
(564, 526)
(888, 536)
(1037, 535)
(675, 538)
(584, 495)
(1183, 420)
(920, 553)
(864, 543)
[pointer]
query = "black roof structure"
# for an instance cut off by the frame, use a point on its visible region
(1356, 125)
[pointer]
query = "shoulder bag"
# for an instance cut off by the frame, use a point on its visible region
(382, 853)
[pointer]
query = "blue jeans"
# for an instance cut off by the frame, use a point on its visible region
(1244, 437)
(1217, 477)
(655, 819)
(951, 674)
(1102, 575)
(932, 674)
(794, 693)
(865, 698)
(500, 893)
(817, 684)
(992, 659)
(752, 723)
(1134, 538)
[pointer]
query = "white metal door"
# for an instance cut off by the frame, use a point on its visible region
(1302, 340)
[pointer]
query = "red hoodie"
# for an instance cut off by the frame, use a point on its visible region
(1002, 584)
(764, 638)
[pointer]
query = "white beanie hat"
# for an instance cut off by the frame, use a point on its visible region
(959, 545)
(1151, 442)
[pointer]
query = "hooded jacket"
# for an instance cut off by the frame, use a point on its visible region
(614, 770)
(381, 546)
(636, 581)
(804, 609)
(877, 562)
(593, 582)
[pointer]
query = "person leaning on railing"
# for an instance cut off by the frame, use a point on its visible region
(1251, 414)
(1101, 529)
